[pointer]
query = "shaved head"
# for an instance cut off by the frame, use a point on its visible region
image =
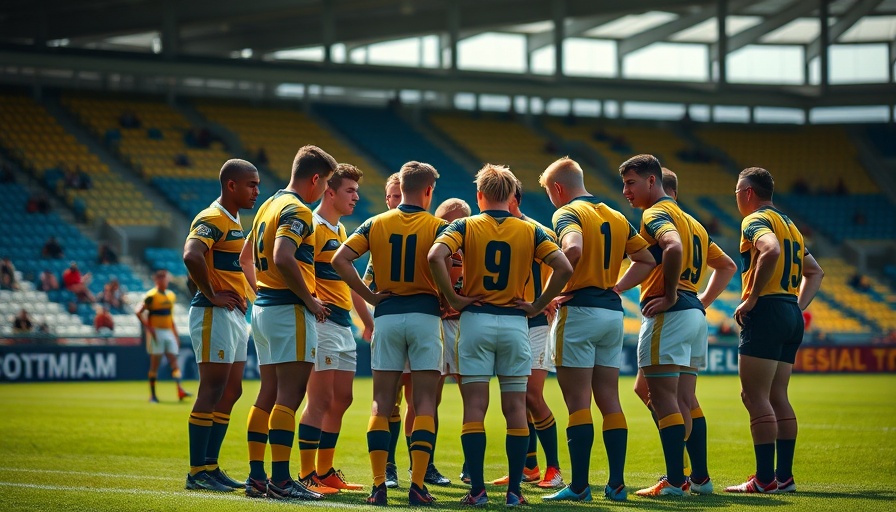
(236, 169)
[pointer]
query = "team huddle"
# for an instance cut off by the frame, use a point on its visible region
(478, 296)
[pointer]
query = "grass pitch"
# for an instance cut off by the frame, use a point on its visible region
(101, 446)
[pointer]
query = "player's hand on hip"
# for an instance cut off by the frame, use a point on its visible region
(379, 297)
(657, 306)
(228, 299)
(460, 302)
(319, 310)
(742, 309)
(528, 308)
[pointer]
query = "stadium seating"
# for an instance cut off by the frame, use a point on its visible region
(152, 148)
(25, 236)
(859, 216)
(873, 307)
(882, 137)
(280, 132)
(30, 133)
(384, 135)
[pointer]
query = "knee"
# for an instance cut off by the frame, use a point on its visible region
(342, 402)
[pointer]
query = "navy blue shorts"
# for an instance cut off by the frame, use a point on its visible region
(772, 330)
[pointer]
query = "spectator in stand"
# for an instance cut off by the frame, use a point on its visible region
(8, 274)
(103, 321)
(840, 189)
(43, 328)
(84, 181)
(800, 187)
(47, 281)
(52, 249)
(37, 203)
(113, 295)
(860, 282)
(77, 283)
(6, 175)
(262, 157)
(181, 160)
(22, 322)
(128, 119)
(106, 256)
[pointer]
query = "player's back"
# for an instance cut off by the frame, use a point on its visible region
(282, 215)
(665, 215)
(607, 237)
(788, 273)
(498, 252)
(223, 235)
(399, 241)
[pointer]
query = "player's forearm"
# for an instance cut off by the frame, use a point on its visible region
(671, 270)
(812, 276)
(561, 272)
(199, 273)
(634, 275)
(362, 310)
(439, 267)
(347, 272)
(723, 270)
(765, 270)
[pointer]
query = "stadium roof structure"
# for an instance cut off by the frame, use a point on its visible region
(169, 42)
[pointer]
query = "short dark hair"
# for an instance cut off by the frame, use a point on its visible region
(518, 193)
(415, 176)
(311, 160)
(344, 172)
(761, 181)
(644, 166)
(235, 169)
(670, 181)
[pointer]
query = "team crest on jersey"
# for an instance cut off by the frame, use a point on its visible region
(221, 355)
(313, 352)
(298, 227)
(331, 245)
(203, 230)
(328, 361)
(236, 233)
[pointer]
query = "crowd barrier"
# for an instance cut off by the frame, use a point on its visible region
(126, 359)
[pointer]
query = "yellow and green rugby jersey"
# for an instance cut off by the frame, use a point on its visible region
(499, 251)
(283, 215)
(223, 235)
(607, 237)
(160, 306)
(696, 249)
(788, 274)
(330, 288)
(399, 241)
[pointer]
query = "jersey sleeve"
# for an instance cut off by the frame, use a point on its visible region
(360, 242)
(543, 244)
(714, 251)
(657, 223)
(205, 230)
(453, 235)
(634, 242)
(754, 226)
(566, 221)
(295, 224)
(147, 300)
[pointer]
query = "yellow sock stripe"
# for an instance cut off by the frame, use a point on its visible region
(614, 421)
(561, 329)
(529, 417)
(203, 419)
(545, 423)
(580, 417)
(427, 423)
(473, 428)
(300, 332)
(153, 375)
(424, 444)
(378, 423)
(518, 432)
(655, 339)
(207, 335)
(176, 374)
(221, 418)
(258, 420)
(696, 413)
(282, 418)
(671, 420)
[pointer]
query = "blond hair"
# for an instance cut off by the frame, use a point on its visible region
(564, 171)
(496, 182)
(392, 180)
(417, 176)
(452, 204)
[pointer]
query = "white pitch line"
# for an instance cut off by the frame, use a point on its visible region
(86, 473)
(174, 494)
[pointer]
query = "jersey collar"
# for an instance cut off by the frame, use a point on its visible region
(498, 214)
(588, 198)
(409, 208)
(219, 206)
(323, 221)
